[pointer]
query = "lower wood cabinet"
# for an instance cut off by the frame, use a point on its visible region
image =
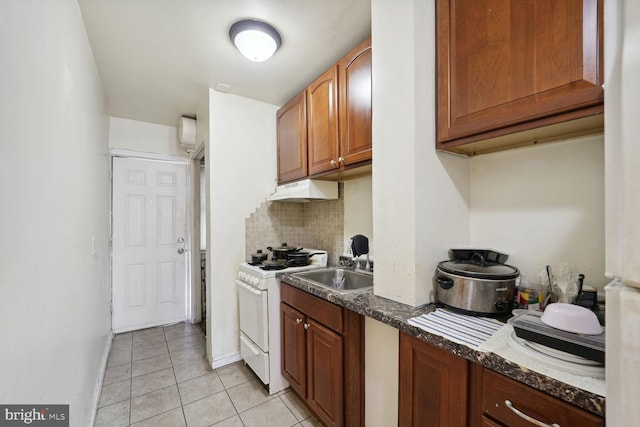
(433, 385)
(506, 402)
(323, 356)
(438, 388)
(294, 348)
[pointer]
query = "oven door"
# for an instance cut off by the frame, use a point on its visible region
(254, 320)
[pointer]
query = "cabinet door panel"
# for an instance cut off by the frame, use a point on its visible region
(293, 348)
(503, 62)
(433, 385)
(355, 104)
(292, 140)
(325, 380)
(322, 122)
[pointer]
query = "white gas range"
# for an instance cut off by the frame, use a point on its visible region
(259, 298)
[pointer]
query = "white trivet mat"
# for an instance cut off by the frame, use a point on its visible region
(499, 345)
(466, 330)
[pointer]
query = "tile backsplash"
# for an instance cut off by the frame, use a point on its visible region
(317, 225)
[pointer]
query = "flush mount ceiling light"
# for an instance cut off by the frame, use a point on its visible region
(256, 40)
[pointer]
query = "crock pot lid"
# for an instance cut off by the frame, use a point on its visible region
(485, 271)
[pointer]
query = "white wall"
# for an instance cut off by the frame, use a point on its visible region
(381, 373)
(54, 182)
(543, 205)
(144, 137)
(241, 173)
(358, 216)
(420, 197)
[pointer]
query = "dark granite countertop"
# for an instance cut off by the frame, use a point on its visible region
(396, 314)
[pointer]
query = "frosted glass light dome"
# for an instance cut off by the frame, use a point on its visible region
(256, 40)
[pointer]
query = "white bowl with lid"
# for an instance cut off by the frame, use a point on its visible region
(571, 318)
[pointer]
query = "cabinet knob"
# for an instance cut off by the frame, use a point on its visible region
(298, 321)
(333, 162)
(340, 159)
(306, 325)
(522, 415)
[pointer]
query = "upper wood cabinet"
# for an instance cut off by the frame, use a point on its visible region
(337, 120)
(355, 104)
(322, 122)
(292, 139)
(509, 66)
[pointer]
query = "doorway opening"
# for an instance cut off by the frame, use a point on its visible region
(201, 201)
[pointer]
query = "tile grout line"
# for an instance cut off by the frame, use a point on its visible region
(159, 413)
(184, 416)
(289, 409)
(195, 343)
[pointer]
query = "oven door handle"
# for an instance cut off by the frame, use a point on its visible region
(255, 291)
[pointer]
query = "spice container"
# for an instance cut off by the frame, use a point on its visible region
(530, 296)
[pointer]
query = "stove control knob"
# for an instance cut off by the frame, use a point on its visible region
(254, 280)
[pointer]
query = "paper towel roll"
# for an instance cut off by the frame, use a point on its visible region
(187, 132)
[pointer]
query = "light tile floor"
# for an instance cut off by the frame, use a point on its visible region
(160, 377)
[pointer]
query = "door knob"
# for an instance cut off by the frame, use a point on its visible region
(181, 251)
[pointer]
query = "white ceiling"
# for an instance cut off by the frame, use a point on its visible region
(157, 58)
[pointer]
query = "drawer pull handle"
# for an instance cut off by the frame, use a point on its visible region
(298, 321)
(521, 414)
(306, 325)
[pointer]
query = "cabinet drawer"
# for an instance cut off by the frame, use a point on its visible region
(498, 389)
(330, 315)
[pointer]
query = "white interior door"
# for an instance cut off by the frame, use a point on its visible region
(149, 233)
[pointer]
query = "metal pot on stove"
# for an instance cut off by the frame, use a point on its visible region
(283, 251)
(258, 257)
(471, 283)
(301, 258)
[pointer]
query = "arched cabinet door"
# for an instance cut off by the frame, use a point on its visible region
(354, 75)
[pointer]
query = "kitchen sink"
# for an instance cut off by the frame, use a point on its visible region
(339, 279)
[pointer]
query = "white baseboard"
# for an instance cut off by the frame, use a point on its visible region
(98, 389)
(225, 359)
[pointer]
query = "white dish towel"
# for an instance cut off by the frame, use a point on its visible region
(466, 330)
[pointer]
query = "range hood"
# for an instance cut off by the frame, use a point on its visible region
(305, 191)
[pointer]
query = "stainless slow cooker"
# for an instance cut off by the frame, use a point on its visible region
(476, 286)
